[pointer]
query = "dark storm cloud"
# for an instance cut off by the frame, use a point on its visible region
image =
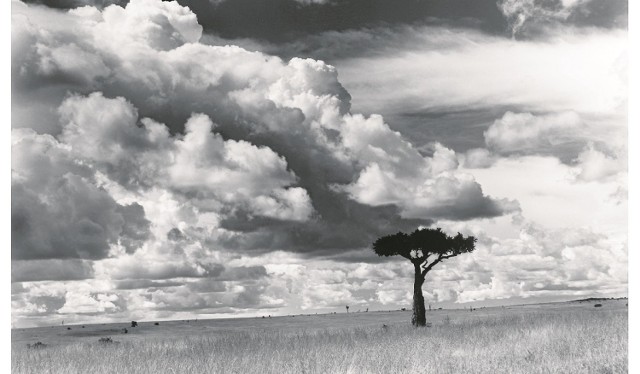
(279, 21)
(68, 4)
(331, 45)
(282, 20)
(50, 270)
(135, 231)
(342, 225)
(47, 231)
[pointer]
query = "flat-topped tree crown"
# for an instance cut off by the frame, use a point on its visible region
(393, 245)
(421, 244)
(424, 248)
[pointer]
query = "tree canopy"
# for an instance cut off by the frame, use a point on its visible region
(426, 247)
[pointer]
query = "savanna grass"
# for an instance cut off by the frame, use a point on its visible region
(569, 342)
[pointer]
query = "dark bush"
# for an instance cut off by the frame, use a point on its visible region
(598, 305)
(157, 323)
(134, 324)
(36, 345)
(105, 340)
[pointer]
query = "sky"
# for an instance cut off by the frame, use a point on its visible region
(174, 160)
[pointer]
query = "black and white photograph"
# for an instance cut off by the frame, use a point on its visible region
(318, 186)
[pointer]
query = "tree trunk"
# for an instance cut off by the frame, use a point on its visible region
(418, 318)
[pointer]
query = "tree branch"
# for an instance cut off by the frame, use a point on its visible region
(426, 268)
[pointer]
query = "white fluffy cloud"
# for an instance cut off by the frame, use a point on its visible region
(259, 94)
(200, 164)
(143, 24)
(396, 173)
(595, 165)
(537, 261)
(522, 132)
(187, 165)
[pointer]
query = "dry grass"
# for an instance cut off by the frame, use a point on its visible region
(582, 341)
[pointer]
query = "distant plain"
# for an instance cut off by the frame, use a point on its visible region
(566, 337)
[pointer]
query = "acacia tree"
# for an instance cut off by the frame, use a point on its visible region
(425, 249)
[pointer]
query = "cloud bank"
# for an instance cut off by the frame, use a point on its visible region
(154, 175)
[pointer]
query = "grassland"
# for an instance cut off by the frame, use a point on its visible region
(551, 338)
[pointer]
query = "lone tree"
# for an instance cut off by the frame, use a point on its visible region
(425, 249)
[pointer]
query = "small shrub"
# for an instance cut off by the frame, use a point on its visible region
(529, 357)
(598, 305)
(134, 324)
(106, 340)
(36, 345)
(157, 323)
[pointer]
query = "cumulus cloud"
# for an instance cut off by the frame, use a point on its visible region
(524, 132)
(97, 303)
(575, 141)
(144, 24)
(210, 179)
(201, 165)
(596, 165)
(57, 210)
(478, 158)
(396, 173)
(537, 261)
(299, 110)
